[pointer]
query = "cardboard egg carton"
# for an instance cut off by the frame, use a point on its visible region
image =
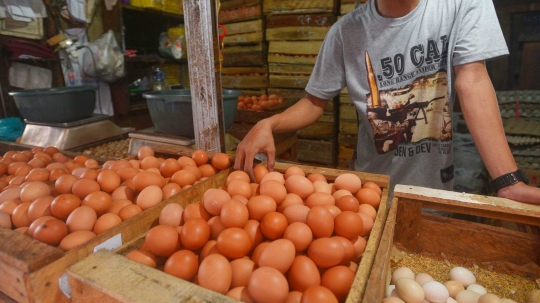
(522, 127)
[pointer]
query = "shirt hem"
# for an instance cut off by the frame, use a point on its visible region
(480, 57)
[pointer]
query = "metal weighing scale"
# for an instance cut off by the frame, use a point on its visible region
(69, 135)
(151, 137)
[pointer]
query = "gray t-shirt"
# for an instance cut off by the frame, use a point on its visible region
(398, 72)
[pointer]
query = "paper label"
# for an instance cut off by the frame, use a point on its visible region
(111, 244)
(63, 284)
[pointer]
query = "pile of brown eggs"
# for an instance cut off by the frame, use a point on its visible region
(85, 201)
(259, 103)
(286, 237)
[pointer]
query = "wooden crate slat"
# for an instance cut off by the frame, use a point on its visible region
(298, 5)
(348, 112)
(347, 8)
(345, 152)
(256, 37)
(316, 151)
(348, 127)
(345, 99)
(288, 81)
(244, 27)
(231, 71)
(244, 81)
(348, 140)
(296, 33)
(275, 58)
(240, 14)
(230, 4)
(318, 131)
(295, 47)
(299, 20)
(290, 69)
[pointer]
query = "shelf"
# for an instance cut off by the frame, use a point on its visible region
(153, 59)
(34, 59)
(152, 11)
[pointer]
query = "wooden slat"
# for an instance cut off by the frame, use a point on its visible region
(409, 222)
(348, 112)
(476, 205)
(245, 81)
(296, 33)
(288, 81)
(346, 8)
(345, 152)
(298, 5)
(228, 71)
(317, 151)
(345, 99)
(318, 131)
(240, 14)
(245, 55)
(299, 20)
(256, 37)
(251, 116)
(243, 27)
(230, 4)
(275, 58)
(381, 265)
(348, 127)
(295, 47)
(290, 69)
(348, 140)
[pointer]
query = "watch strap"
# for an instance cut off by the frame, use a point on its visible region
(506, 180)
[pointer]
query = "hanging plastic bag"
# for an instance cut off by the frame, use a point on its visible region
(103, 58)
(11, 129)
(172, 48)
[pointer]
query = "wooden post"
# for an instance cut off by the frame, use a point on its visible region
(200, 19)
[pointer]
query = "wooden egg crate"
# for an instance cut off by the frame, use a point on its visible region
(299, 6)
(293, 52)
(239, 10)
(110, 277)
(245, 32)
(295, 27)
(245, 77)
(420, 233)
(289, 75)
(245, 55)
(347, 6)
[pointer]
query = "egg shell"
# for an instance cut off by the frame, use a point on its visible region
(253, 228)
(9, 206)
(239, 187)
(241, 294)
(290, 199)
(422, 278)
(314, 177)
(258, 206)
(299, 185)
(294, 297)
(320, 199)
(214, 199)
(108, 180)
(75, 239)
(83, 187)
(296, 213)
(171, 215)
(489, 298)
(326, 252)
(216, 227)
(467, 296)
(195, 233)
(462, 275)
(149, 197)
(453, 288)
(401, 272)
(340, 193)
(338, 280)
(322, 187)
(221, 161)
(367, 224)
(273, 225)
(195, 210)
(234, 243)
(374, 186)
(368, 196)
(389, 290)
(89, 174)
(273, 176)
(234, 214)
(349, 252)
(34, 190)
(163, 240)
(409, 290)
(10, 194)
(64, 183)
(184, 177)
(259, 172)
(300, 235)
(40, 207)
(117, 205)
(238, 174)
(51, 232)
(274, 189)
(82, 218)
(477, 288)
(5, 220)
(435, 292)
(129, 211)
(268, 285)
(241, 272)
(368, 210)
(320, 221)
(294, 170)
(169, 167)
(145, 179)
(279, 254)
(183, 264)
(209, 248)
(215, 273)
(349, 182)
(348, 203)
(195, 170)
(392, 300)
(303, 274)
(127, 173)
(106, 222)
(170, 189)
(348, 224)
(123, 193)
(36, 223)
(100, 201)
(318, 294)
(144, 152)
(359, 248)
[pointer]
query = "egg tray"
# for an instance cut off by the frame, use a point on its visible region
(529, 103)
(409, 228)
(113, 277)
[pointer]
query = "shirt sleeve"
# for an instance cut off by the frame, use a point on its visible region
(328, 76)
(479, 35)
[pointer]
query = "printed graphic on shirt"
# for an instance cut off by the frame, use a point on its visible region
(409, 111)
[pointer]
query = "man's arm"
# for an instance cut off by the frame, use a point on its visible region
(260, 139)
(481, 111)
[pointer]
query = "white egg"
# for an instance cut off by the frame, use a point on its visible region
(467, 296)
(409, 290)
(477, 288)
(389, 290)
(489, 298)
(435, 292)
(450, 300)
(422, 278)
(463, 276)
(402, 272)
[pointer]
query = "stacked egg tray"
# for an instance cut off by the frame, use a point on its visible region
(437, 239)
(529, 103)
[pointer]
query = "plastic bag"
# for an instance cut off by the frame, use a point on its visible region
(11, 129)
(171, 48)
(103, 58)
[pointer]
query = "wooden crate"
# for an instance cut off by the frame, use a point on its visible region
(347, 111)
(110, 277)
(348, 6)
(299, 6)
(296, 27)
(322, 129)
(246, 32)
(245, 55)
(245, 77)
(348, 127)
(317, 151)
(293, 52)
(407, 227)
(239, 10)
(347, 140)
(289, 75)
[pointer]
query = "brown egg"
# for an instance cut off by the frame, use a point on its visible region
(340, 193)
(259, 172)
(22, 230)
(5, 220)
(349, 250)
(9, 206)
(169, 167)
(216, 227)
(100, 201)
(367, 224)
(185, 161)
(320, 199)
(294, 170)
(34, 190)
(238, 174)
(17, 180)
(348, 224)
(129, 211)
(20, 157)
(273, 176)
(171, 215)
(51, 232)
(215, 273)
(273, 225)
(163, 240)
(83, 187)
(348, 203)
(10, 194)
(144, 152)
(241, 272)
(338, 280)
(78, 172)
(64, 183)
(314, 177)
(233, 243)
(240, 294)
(128, 183)
(254, 189)
(40, 207)
(12, 167)
(253, 228)
(184, 177)
(214, 200)
(153, 170)
(322, 187)
(36, 223)
(320, 221)
(193, 211)
(123, 193)
(106, 222)
(279, 254)
(127, 173)
(274, 189)
(149, 197)
(72, 165)
(326, 252)
(267, 284)
(303, 274)
(359, 247)
(145, 179)
(368, 196)
(82, 218)
(149, 162)
(200, 157)
(348, 181)
(36, 163)
(143, 256)
(38, 174)
(300, 235)
(299, 185)
(258, 206)
(182, 264)
(207, 170)
(108, 180)
(296, 213)
(23, 170)
(64, 204)
(239, 187)
(234, 214)
(91, 163)
(373, 186)
(221, 161)
(209, 248)
(193, 169)
(318, 293)
(290, 199)
(50, 150)
(91, 174)
(170, 189)
(117, 205)
(195, 233)
(368, 210)
(75, 239)
(20, 217)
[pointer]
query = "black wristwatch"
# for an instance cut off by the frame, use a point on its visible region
(505, 180)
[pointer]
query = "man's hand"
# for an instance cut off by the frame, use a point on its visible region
(521, 192)
(259, 139)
